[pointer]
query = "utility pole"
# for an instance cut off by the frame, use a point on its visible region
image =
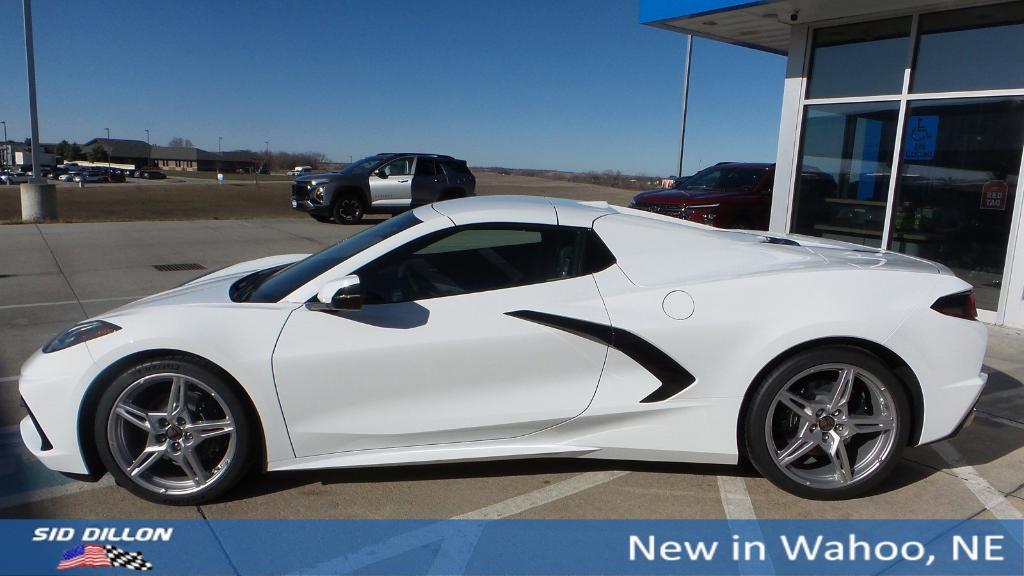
(685, 99)
(38, 199)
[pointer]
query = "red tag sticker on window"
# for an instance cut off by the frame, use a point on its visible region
(994, 194)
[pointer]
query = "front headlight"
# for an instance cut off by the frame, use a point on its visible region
(80, 333)
(316, 191)
(704, 214)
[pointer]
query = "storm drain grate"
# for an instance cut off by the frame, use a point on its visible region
(178, 267)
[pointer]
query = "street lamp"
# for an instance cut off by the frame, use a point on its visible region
(3, 161)
(149, 150)
(38, 198)
(108, 151)
(219, 138)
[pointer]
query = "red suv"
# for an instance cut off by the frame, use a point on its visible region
(726, 195)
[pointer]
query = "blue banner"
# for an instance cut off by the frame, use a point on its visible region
(535, 547)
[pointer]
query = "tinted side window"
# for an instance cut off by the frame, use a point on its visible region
(707, 179)
(474, 259)
(455, 168)
(426, 167)
(741, 177)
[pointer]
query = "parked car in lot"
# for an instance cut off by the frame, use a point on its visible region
(150, 174)
(727, 195)
(300, 171)
(511, 327)
(384, 183)
(92, 176)
(17, 177)
(70, 176)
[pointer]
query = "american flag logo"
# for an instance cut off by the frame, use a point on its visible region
(96, 556)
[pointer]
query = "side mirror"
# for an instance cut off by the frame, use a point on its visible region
(382, 174)
(342, 294)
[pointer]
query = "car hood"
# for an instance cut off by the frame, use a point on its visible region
(331, 177)
(212, 288)
(674, 196)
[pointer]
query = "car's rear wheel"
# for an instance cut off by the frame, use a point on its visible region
(173, 431)
(828, 423)
(348, 209)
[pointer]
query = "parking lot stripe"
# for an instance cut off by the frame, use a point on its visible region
(457, 541)
(991, 498)
(1000, 419)
(735, 498)
(66, 302)
(545, 495)
(53, 492)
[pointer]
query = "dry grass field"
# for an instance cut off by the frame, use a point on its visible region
(196, 199)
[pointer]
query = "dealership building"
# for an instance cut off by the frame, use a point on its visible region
(902, 126)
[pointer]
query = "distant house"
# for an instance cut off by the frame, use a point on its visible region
(141, 154)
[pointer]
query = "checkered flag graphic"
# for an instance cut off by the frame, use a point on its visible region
(124, 559)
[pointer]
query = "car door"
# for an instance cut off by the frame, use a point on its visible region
(436, 355)
(428, 181)
(391, 183)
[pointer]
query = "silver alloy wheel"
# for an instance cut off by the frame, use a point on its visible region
(171, 434)
(831, 426)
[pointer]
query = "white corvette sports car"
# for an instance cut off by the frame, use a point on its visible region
(512, 327)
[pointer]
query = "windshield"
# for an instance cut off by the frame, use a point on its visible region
(361, 166)
(286, 280)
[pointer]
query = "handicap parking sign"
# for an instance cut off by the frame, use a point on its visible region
(919, 139)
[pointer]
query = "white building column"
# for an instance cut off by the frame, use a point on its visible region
(789, 130)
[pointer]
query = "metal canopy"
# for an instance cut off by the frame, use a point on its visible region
(765, 24)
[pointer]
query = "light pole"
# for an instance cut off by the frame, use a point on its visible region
(38, 199)
(108, 152)
(219, 138)
(685, 98)
(3, 161)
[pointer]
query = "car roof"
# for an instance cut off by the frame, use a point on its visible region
(439, 156)
(744, 165)
(522, 209)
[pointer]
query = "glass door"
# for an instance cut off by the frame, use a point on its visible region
(957, 187)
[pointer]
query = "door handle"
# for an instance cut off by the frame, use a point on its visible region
(403, 181)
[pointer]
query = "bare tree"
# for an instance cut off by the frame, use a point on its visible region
(179, 142)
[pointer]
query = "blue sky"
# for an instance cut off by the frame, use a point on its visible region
(563, 84)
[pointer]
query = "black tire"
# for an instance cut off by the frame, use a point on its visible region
(348, 208)
(224, 475)
(760, 447)
(321, 218)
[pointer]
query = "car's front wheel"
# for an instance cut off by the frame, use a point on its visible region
(173, 431)
(828, 423)
(348, 209)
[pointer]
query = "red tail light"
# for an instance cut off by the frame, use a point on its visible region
(959, 305)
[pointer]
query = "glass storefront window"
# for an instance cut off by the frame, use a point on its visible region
(974, 49)
(957, 186)
(845, 164)
(859, 59)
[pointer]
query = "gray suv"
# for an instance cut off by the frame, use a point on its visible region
(385, 183)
